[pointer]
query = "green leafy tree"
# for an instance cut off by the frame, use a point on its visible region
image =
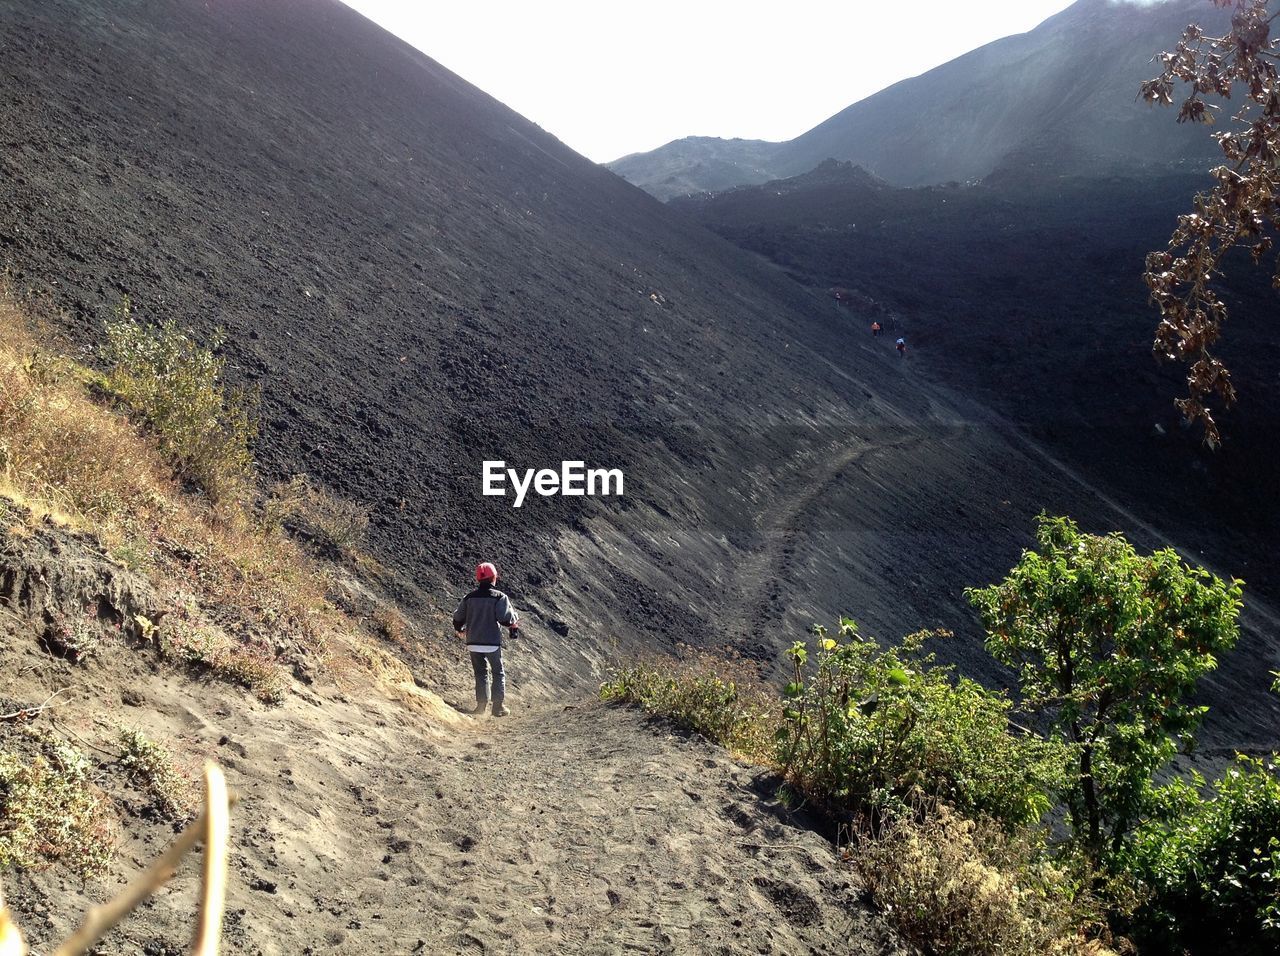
(867, 729)
(1109, 644)
(1211, 865)
(1241, 210)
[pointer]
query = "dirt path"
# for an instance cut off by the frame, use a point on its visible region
(394, 824)
(586, 829)
(763, 577)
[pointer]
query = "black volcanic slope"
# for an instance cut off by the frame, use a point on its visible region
(1062, 96)
(418, 279)
(1027, 292)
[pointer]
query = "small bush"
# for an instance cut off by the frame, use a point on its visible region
(173, 385)
(1212, 865)
(332, 522)
(871, 730)
(171, 791)
(51, 810)
(184, 637)
(721, 698)
(256, 670)
(74, 637)
(963, 887)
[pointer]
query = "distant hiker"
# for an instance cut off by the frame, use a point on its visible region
(875, 328)
(901, 345)
(477, 619)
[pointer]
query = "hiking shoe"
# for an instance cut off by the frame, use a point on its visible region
(500, 710)
(481, 706)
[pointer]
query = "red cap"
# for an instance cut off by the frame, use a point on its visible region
(486, 572)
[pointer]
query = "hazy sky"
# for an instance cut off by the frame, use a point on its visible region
(612, 78)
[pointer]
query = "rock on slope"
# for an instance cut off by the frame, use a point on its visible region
(1061, 96)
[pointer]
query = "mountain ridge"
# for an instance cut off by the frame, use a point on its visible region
(1067, 88)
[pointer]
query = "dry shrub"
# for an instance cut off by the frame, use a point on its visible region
(171, 790)
(67, 456)
(255, 669)
(185, 637)
(966, 888)
(182, 637)
(333, 523)
(173, 384)
(51, 810)
(718, 695)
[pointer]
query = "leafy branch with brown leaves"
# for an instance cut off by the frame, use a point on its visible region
(1240, 210)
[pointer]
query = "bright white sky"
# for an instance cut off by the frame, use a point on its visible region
(611, 78)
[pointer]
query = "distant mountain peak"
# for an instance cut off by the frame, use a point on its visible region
(1064, 93)
(837, 172)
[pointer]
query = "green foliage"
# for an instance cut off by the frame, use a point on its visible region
(718, 698)
(153, 766)
(877, 730)
(1212, 865)
(173, 385)
(1109, 644)
(51, 810)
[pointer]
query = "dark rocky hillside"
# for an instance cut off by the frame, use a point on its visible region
(1061, 97)
(1027, 292)
(417, 279)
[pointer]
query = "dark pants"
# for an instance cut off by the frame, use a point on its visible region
(478, 664)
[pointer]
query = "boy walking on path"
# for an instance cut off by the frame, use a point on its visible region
(480, 619)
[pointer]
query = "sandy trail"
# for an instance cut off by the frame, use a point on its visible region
(394, 824)
(588, 829)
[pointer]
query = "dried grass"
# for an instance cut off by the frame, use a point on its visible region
(964, 887)
(719, 695)
(70, 458)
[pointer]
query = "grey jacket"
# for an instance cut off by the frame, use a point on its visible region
(481, 612)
